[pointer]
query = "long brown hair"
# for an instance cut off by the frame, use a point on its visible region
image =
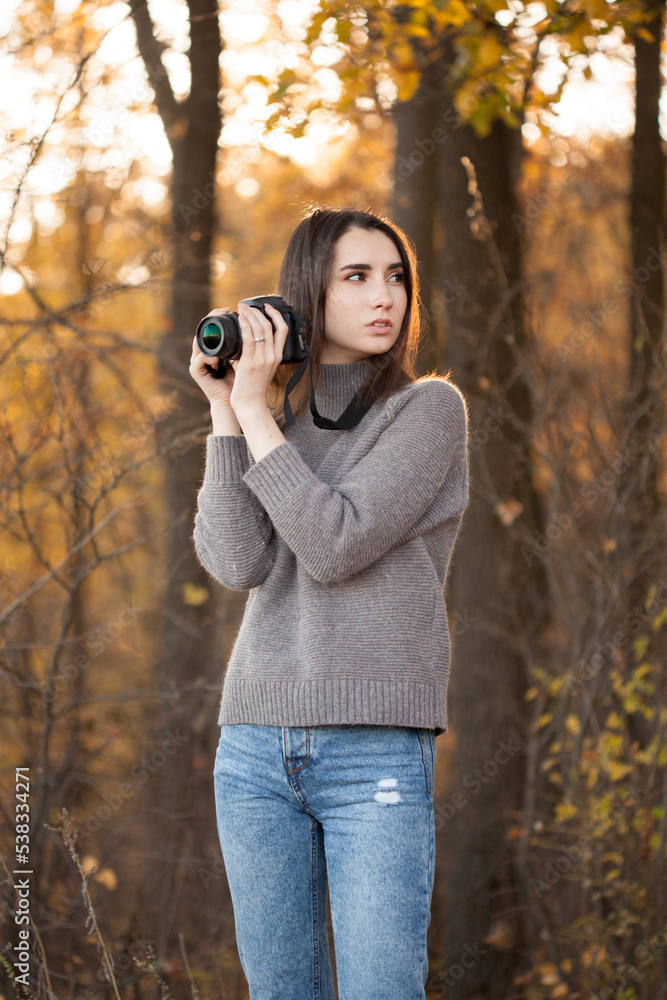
(305, 276)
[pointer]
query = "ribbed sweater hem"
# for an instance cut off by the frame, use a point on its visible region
(334, 701)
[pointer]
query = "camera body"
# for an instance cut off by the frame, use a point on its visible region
(219, 336)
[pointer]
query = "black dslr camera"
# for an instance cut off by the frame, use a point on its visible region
(220, 336)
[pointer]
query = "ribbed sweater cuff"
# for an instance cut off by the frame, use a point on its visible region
(226, 458)
(277, 475)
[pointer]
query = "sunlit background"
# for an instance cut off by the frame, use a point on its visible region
(113, 128)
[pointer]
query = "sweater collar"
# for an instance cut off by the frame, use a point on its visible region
(338, 384)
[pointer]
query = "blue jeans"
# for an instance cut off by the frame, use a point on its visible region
(348, 809)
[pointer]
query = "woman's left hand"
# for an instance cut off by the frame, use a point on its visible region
(254, 370)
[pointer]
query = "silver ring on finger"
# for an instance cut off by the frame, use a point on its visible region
(257, 339)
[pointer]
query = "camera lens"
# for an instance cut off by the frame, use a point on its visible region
(219, 336)
(211, 336)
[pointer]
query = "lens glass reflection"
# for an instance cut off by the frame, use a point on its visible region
(211, 336)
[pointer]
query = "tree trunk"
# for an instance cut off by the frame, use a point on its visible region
(181, 789)
(414, 197)
(500, 600)
(643, 409)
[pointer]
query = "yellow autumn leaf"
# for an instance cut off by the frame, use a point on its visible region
(547, 969)
(616, 770)
(614, 856)
(597, 8)
(418, 30)
(403, 55)
(565, 811)
(613, 721)
(455, 13)
(557, 684)
(572, 724)
(592, 777)
(407, 86)
(194, 595)
(544, 719)
(489, 52)
(575, 37)
(659, 620)
(108, 878)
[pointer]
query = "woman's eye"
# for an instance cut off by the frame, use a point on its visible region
(359, 274)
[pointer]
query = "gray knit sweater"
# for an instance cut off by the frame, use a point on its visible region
(344, 539)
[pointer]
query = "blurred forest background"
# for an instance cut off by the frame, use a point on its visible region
(156, 157)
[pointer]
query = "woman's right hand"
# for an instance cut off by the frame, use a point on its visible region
(218, 390)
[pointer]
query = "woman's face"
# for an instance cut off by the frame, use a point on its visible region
(367, 284)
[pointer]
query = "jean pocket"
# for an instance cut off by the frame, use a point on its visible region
(434, 745)
(427, 743)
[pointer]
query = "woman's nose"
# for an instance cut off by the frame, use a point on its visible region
(380, 295)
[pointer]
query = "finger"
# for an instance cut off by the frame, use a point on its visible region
(199, 362)
(278, 320)
(195, 350)
(251, 328)
(272, 326)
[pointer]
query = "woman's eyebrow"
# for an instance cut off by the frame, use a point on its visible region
(367, 267)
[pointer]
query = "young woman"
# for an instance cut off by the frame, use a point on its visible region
(337, 683)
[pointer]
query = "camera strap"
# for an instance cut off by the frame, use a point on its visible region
(350, 416)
